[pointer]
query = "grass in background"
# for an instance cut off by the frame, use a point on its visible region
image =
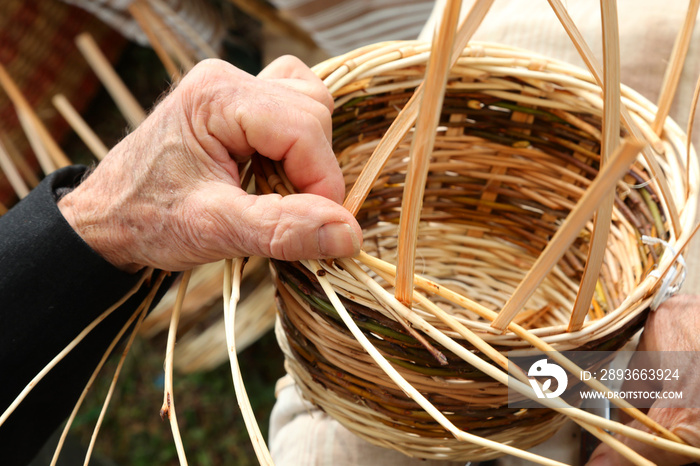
(212, 428)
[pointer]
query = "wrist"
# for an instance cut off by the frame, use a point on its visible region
(92, 220)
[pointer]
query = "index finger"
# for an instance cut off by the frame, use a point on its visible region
(289, 69)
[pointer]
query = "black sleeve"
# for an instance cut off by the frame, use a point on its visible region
(52, 285)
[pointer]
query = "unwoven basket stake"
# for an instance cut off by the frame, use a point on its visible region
(689, 133)
(88, 385)
(675, 67)
(138, 11)
(567, 233)
(610, 142)
(28, 388)
(12, 174)
(162, 9)
(594, 67)
(143, 311)
(437, 71)
(405, 119)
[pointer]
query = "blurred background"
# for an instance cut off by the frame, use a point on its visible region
(148, 43)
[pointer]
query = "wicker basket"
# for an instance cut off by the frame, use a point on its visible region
(517, 147)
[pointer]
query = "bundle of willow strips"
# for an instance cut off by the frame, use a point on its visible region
(480, 240)
(202, 344)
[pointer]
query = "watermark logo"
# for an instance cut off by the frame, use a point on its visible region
(640, 378)
(542, 368)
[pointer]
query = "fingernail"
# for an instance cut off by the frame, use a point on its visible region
(338, 240)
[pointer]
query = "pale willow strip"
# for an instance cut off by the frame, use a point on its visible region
(689, 133)
(37, 378)
(138, 10)
(422, 147)
(110, 392)
(168, 408)
(28, 173)
(610, 142)
(587, 55)
(675, 67)
(606, 179)
(81, 128)
(46, 162)
(121, 95)
(10, 170)
(39, 137)
(232, 282)
(404, 121)
(89, 384)
(184, 27)
(170, 41)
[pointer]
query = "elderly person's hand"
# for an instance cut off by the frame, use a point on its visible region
(169, 196)
(673, 327)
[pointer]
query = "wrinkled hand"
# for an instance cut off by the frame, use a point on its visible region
(673, 327)
(168, 195)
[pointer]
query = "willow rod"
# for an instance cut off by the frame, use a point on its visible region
(121, 95)
(168, 408)
(90, 382)
(233, 272)
(170, 40)
(437, 72)
(145, 305)
(81, 128)
(675, 67)
(405, 119)
(46, 162)
(12, 173)
(37, 378)
(138, 11)
(183, 26)
(610, 142)
(32, 123)
(594, 67)
(689, 133)
(600, 187)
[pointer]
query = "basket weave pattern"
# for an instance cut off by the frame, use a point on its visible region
(518, 145)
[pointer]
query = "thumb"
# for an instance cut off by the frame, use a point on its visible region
(293, 227)
(674, 419)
